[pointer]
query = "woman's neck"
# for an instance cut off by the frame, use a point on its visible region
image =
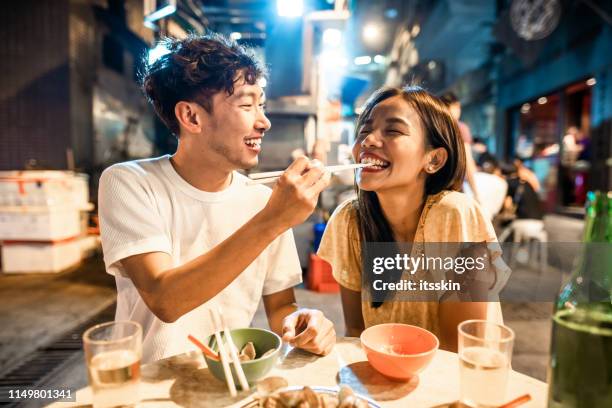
(402, 209)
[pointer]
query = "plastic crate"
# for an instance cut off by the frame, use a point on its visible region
(30, 257)
(320, 278)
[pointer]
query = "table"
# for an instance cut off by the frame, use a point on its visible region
(184, 380)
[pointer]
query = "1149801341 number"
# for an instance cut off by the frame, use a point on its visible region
(37, 394)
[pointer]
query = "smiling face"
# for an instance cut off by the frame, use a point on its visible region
(392, 138)
(232, 133)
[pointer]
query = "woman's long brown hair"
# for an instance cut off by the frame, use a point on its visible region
(440, 131)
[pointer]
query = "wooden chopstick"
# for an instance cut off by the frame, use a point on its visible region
(517, 401)
(244, 384)
(229, 379)
(257, 178)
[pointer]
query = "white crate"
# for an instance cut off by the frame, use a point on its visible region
(41, 257)
(36, 188)
(39, 223)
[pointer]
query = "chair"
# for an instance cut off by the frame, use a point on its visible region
(529, 230)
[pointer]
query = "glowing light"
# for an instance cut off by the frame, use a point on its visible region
(542, 100)
(371, 32)
(157, 52)
(432, 65)
(379, 59)
(332, 37)
(161, 12)
(333, 59)
(235, 36)
(263, 82)
(591, 81)
(363, 60)
(525, 108)
(290, 8)
(391, 13)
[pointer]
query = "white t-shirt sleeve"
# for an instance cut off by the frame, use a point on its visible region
(284, 269)
(130, 223)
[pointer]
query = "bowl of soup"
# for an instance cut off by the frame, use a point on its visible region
(258, 351)
(399, 351)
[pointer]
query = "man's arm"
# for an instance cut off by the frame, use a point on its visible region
(307, 329)
(170, 292)
(278, 306)
(351, 308)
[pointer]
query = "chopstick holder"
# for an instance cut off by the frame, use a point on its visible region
(229, 379)
(244, 384)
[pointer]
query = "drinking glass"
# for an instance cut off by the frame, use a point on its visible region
(112, 352)
(485, 351)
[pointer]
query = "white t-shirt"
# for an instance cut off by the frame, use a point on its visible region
(145, 206)
(492, 190)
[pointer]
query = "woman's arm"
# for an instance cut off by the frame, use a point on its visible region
(351, 308)
(453, 313)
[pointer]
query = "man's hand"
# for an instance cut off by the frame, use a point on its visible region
(309, 330)
(295, 194)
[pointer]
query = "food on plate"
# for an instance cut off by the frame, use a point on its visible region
(272, 393)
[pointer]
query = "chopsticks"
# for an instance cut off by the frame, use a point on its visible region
(517, 401)
(271, 176)
(205, 349)
(218, 327)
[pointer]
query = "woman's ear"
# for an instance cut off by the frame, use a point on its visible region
(436, 160)
(188, 116)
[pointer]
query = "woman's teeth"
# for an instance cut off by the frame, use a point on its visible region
(253, 142)
(376, 163)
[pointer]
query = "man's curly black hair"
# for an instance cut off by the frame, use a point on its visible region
(194, 70)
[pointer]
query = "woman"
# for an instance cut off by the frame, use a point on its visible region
(411, 196)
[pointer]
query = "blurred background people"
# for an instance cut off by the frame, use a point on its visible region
(454, 106)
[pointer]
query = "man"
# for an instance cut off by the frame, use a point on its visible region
(454, 106)
(186, 233)
(490, 180)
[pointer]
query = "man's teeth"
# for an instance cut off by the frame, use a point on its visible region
(253, 142)
(375, 162)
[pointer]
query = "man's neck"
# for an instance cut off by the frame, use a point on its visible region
(202, 173)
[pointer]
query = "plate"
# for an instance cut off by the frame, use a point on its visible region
(318, 390)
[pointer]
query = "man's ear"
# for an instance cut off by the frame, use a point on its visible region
(436, 160)
(189, 116)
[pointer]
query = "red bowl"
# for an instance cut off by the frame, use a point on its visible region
(399, 351)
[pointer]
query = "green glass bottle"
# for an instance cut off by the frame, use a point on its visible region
(580, 370)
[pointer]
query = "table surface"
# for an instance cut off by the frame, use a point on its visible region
(184, 380)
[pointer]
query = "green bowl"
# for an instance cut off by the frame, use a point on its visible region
(254, 370)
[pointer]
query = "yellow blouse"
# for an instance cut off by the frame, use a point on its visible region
(448, 216)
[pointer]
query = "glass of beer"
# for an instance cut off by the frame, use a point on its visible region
(485, 351)
(112, 353)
